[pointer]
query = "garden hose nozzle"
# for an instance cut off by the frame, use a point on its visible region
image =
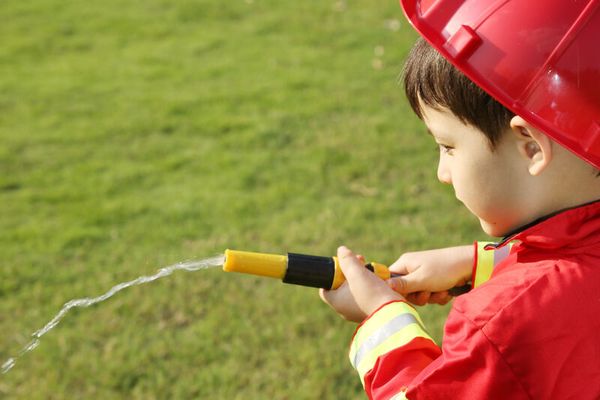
(302, 269)
(298, 269)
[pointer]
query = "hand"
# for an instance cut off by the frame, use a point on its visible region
(362, 293)
(428, 275)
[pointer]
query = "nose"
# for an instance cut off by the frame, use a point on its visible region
(443, 172)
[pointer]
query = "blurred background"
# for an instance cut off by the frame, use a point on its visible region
(138, 134)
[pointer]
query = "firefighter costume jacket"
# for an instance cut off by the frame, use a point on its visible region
(530, 331)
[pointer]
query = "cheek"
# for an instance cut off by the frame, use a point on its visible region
(482, 188)
(493, 201)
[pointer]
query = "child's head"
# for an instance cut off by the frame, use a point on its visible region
(505, 161)
(505, 171)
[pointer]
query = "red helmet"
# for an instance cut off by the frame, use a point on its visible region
(540, 58)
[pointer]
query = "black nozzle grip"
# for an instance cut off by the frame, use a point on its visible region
(313, 271)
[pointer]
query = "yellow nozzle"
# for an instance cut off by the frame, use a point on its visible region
(315, 271)
(271, 265)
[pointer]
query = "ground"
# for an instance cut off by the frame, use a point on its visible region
(134, 135)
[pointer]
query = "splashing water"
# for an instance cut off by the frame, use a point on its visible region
(86, 301)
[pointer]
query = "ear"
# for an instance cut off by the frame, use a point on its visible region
(534, 145)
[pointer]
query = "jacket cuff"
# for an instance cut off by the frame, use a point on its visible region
(393, 325)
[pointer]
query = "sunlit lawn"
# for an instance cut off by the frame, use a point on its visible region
(138, 134)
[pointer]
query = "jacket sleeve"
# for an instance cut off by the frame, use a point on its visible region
(397, 359)
(394, 330)
(487, 257)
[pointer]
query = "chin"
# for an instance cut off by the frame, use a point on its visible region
(493, 229)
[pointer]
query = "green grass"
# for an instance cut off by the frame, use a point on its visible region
(137, 134)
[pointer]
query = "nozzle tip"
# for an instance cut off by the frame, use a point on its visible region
(255, 263)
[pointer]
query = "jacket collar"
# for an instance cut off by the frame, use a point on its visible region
(573, 227)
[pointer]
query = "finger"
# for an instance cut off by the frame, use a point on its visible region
(351, 266)
(439, 298)
(361, 258)
(445, 301)
(399, 267)
(360, 279)
(332, 297)
(413, 298)
(412, 282)
(421, 298)
(342, 301)
(399, 284)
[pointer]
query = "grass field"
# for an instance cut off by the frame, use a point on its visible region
(137, 134)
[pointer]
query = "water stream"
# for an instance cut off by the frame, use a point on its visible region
(87, 301)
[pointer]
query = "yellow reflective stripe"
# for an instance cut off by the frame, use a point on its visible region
(396, 340)
(394, 325)
(400, 396)
(377, 321)
(487, 260)
(485, 264)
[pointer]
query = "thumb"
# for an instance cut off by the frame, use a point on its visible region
(409, 283)
(360, 279)
(351, 266)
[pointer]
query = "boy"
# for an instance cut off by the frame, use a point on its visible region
(523, 156)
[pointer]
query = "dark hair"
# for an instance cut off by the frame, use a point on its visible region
(431, 80)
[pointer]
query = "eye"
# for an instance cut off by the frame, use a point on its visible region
(445, 149)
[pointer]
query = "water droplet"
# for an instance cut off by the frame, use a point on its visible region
(8, 365)
(34, 343)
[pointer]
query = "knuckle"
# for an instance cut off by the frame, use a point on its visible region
(400, 285)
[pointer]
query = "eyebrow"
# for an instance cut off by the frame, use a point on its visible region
(437, 138)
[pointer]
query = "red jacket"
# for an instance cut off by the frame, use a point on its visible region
(532, 331)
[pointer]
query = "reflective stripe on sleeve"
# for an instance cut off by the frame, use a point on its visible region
(487, 261)
(484, 265)
(392, 326)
